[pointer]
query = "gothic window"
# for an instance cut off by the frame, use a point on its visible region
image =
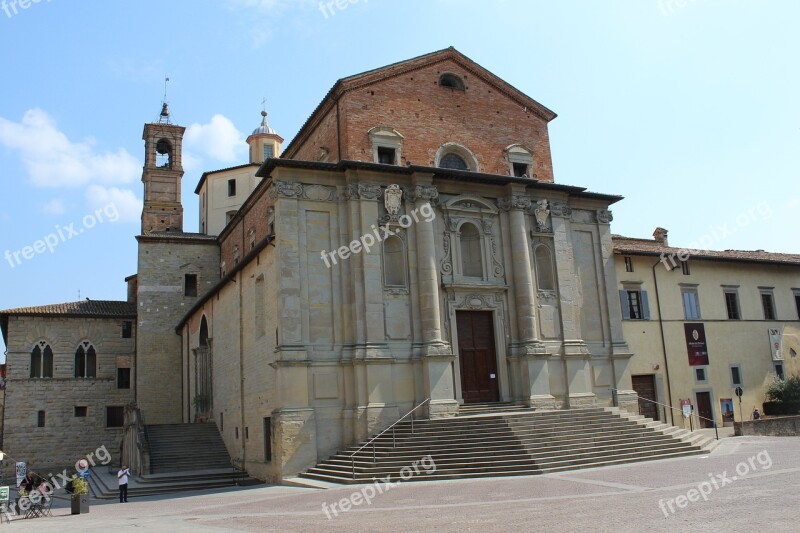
(394, 266)
(85, 361)
(42, 361)
(545, 280)
(471, 256)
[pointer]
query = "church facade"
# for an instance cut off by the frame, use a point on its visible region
(409, 245)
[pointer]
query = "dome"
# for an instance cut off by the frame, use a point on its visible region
(264, 127)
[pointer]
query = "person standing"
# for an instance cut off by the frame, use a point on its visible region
(122, 479)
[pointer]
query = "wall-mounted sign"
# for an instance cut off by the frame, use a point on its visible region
(22, 471)
(696, 344)
(775, 336)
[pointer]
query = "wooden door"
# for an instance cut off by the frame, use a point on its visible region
(704, 409)
(477, 356)
(645, 387)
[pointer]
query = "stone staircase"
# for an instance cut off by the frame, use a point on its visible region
(507, 440)
(186, 447)
(182, 457)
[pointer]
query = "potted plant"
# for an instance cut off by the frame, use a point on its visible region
(202, 405)
(79, 490)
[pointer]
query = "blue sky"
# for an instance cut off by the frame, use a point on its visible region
(688, 108)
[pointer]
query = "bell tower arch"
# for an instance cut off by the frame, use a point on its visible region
(162, 175)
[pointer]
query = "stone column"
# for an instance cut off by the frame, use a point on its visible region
(527, 346)
(437, 355)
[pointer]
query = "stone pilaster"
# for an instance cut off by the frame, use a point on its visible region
(437, 355)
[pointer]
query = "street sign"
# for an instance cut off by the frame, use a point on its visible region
(739, 393)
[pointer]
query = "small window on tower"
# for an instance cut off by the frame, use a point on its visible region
(386, 156)
(190, 285)
(268, 151)
(127, 329)
(232, 187)
(520, 170)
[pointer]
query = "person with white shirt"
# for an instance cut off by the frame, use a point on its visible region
(122, 478)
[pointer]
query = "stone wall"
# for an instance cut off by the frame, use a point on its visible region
(779, 426)
(64, 438)
(162, 303)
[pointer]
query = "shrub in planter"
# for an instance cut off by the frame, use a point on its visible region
(80, 495)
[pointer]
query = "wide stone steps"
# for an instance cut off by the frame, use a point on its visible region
(186, 447)
(508, 443)
(104, 487)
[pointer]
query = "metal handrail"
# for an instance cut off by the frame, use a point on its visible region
(716, 430)
(394, 437)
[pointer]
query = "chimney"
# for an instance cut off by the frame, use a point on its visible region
(660, 236)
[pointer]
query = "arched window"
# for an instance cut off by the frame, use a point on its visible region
(453, 161)
(163, 154)
(451, 81)
(471, 256)
(42, 361)
(394, 265)
(85, 361)
(545, 280)
(203, 332)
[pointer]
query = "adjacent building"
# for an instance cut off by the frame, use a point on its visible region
(703, 323)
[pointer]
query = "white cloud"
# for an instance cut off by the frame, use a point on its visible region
(54, 207)
(52, 160)
(125, 203)
(219, 139)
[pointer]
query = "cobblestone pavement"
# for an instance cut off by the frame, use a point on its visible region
(746, 484)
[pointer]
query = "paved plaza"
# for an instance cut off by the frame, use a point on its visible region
(746, 484)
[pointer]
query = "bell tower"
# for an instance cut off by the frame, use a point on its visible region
(162, 174)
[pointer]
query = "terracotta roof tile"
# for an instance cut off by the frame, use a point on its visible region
(630, 245)
(87, 308)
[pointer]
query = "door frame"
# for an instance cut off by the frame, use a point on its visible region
(658, 408)
(477, 301)
(711, 400)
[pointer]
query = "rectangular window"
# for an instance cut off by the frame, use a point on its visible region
(768, 304)
(685, 267)
(267, 439)
(700, 375)
(246, 433)
(40, 419)
(123, 378)
(797, 303)
(222, 422)
(232, 187)
(127, 329)
(115, 416)
(80, 410)
(520, 170)
(386, 156)
(732, 304)
(736, 376)
(691, 304)
(236, 431)
(628, 264)
(779, 371)
(634, 304)
(268, 152)
(190, 285)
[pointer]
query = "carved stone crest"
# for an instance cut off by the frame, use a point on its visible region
(392, 199)
(542, 213)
